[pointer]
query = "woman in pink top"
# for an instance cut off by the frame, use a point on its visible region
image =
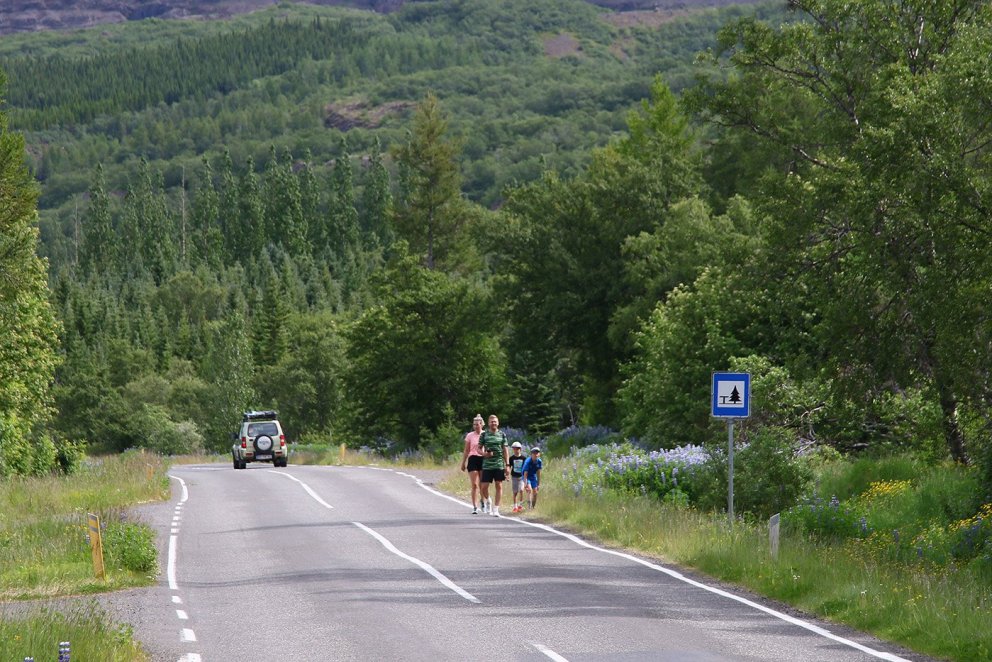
(472, 459)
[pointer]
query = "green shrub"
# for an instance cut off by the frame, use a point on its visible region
(849, 479)
(166, 436)
(826, 519)
(69, 455)
(130, 546)
(579, 436)
(768, 479)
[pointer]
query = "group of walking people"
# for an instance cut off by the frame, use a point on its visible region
(488, 459)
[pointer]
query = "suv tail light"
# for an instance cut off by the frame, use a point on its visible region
(244, 442)
(282, 440)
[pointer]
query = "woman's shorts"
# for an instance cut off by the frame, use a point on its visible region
(517, 482)
(490, 475)
(474, 463)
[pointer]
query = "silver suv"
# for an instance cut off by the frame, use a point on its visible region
(260, 440)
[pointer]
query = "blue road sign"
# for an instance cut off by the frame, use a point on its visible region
(731, 395)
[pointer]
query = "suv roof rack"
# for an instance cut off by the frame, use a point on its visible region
(260, 415)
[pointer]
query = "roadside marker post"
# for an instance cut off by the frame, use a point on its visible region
(731, 399)
(96, 545)
(773, 526)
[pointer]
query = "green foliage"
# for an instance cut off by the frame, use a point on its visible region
(430, 215)
(768, 478)
(130, 546)
(665, 397)
(306, 385)
(28, 328)
(899, 161)
(428, 342)
(564, 247)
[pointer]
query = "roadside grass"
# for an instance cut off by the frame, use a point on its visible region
(44, 551)
(89, 631)
(327, 454)
(944, 612)
(44, 554)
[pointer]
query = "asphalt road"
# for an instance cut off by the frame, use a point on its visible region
(353, 563)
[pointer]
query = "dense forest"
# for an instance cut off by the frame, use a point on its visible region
(381, 225)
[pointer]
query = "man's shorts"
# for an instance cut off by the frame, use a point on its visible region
(517, 482)
(474, 463)
(532, 482)
(490, 475)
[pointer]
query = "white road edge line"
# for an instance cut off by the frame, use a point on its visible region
(171, 568)
(426, 566)
(547, 651)
(675, 575)
(307, 488)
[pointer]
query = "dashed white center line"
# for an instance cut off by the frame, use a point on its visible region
(547, 651)
(182, 615)
(307, 488)
(426, 566)
(177, 600)
(188, 635)
(190, 657)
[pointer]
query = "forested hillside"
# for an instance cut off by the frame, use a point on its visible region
(28, 15)
(380, 225)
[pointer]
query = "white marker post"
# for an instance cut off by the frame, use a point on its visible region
(731, 399)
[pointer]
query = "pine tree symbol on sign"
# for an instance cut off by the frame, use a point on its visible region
(735, 396)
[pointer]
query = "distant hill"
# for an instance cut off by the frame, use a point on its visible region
(35, 15)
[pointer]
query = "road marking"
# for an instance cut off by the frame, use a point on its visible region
(307, 488)
(547, 651)
(816, 629)
(171, 568)
(191, 657)
(177, 600)
(171, 571)
(426, 566)
(188, 635)
(182, 615)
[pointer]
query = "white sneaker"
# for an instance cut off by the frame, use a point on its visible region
(496, 512)
(485, 507)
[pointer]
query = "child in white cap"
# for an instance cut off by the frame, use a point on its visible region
(516, 465)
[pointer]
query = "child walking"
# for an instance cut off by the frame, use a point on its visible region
(532, 474)
(516, 464)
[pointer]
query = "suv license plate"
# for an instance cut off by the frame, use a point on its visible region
(263, 457)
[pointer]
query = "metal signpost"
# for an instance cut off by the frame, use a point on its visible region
(731, 399)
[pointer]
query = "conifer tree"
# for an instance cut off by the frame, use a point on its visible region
(310, 201)
(343, 218)
(250, 219)
(207, 238)
(98, 253)
(377, 202)
(284, 205)
(431, 213)
(228, 210)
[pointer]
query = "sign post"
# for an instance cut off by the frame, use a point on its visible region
(731, 399)
(96, 546)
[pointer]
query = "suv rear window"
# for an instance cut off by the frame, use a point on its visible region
(267, 428)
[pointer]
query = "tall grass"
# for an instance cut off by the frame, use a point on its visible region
(944, 612)
(89, 632)
(44, 553)
(43, 545)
